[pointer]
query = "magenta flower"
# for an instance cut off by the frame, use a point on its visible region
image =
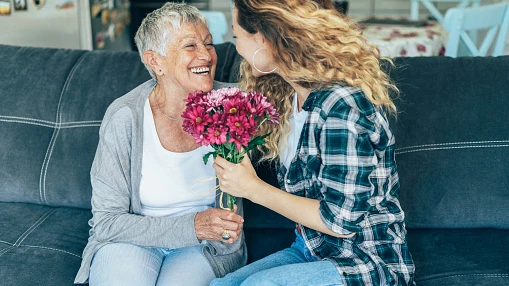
(239, 123)
(197, 118)
(217, 135)
(235, 106)
(240, 139)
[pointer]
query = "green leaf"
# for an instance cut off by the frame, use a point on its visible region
(206, 156)
(258, 140)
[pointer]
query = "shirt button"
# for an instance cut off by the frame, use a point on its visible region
(288, 181)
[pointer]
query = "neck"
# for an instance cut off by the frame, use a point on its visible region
(171, 100)
(169, 106)
(302, 94)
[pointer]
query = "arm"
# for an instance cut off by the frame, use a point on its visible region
(111, 199)
(111, 195)
(343, 174)
(304, 211)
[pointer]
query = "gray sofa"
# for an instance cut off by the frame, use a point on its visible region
(453, 158)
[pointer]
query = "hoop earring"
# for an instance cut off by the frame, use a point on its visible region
(254, 65)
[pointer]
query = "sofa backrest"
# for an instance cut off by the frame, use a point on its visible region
(52, 102)
(452, 139)
(451, 131)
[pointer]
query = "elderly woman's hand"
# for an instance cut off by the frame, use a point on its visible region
(213, 224)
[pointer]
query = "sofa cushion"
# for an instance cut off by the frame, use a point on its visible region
(41, 245)
(460, 256)
(452, 141)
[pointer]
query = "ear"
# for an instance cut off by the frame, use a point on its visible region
(153, 60)
(261, 41)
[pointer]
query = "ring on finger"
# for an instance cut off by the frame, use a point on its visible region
(226, 235)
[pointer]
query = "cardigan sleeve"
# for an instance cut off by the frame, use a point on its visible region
(111, 194)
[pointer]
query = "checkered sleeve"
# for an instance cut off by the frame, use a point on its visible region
(347, 160)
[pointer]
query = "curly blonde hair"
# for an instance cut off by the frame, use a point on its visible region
(315, 46)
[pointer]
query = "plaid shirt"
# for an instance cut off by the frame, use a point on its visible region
(345, 159)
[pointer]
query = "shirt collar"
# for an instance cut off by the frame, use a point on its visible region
(310, 100)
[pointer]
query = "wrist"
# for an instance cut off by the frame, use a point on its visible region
(258, 191)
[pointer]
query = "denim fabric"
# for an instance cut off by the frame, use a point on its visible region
(292, 266)
(127, 264)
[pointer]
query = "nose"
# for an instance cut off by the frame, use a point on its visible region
(204, 53)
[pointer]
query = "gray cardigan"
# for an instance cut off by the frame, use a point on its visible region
(116, 207)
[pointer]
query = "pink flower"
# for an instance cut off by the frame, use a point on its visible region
(421, 48)
(197, 119)
(201, 139)
(240, 139)
(235, 106)
(195, 98)
(402, 52)
(217, 135)
(239, 123)
(214, 99)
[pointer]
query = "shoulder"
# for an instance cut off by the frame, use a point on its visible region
(348, 107)
(339, 100)
(125, 110)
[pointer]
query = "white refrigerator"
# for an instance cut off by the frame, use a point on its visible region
(72, 24)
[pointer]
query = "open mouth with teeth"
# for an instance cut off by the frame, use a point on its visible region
(200, 70)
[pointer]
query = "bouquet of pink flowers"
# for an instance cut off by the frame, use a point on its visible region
(228, 119)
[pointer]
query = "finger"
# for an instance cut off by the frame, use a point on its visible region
(218, 168)
(223, 163)
(227, 215)
(230, 225)
(220, 161)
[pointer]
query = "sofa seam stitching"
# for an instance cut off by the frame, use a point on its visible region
(452, 148)
(33, 227)
(489, 275)
(58, 120)
(29, 123)
(6, 250)
(27, 118)
(50, 248)
(52, 126)
(453, 143)
(81, 125)
(8, 243)
(51, 123)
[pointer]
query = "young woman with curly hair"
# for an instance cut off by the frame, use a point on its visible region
(338, 174)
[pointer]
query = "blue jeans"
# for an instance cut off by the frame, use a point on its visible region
(292, 266)
(127, 264)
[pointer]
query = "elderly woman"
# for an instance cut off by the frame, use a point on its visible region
(154, 220)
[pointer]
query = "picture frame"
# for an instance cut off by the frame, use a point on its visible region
(5, 7)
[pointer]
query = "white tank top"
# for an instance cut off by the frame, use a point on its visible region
(170, 182)
(297, 120)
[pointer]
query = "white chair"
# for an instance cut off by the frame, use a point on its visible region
(493, 17)
(414, 7)
(218, 25)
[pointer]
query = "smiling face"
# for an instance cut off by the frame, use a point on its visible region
(190, 61)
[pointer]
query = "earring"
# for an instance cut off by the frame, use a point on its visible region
(254, 65)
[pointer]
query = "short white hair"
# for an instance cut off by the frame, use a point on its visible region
(159, 27)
